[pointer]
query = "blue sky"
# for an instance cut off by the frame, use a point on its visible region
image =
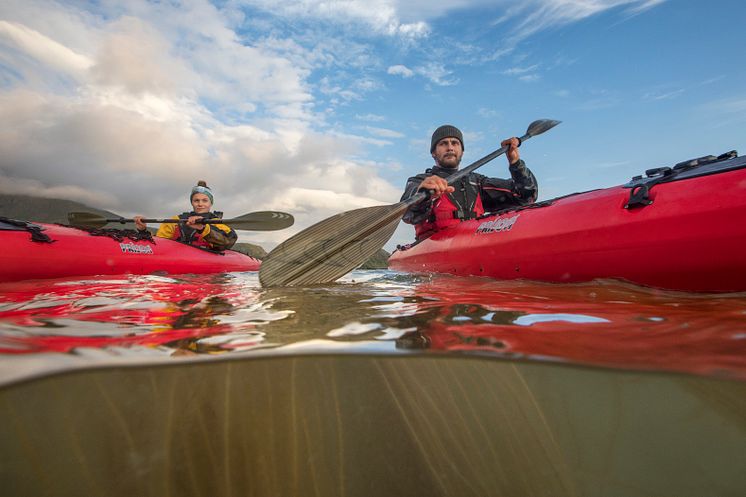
(320, 107)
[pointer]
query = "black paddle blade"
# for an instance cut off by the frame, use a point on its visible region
(86, 220)
(261, 221)
(541, 125)
(332, 248)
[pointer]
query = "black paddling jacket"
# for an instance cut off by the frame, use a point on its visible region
(474, 195)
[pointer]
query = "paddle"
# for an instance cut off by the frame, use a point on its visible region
(253, 221)
(335, 246)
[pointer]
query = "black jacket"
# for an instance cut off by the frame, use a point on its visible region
(496, 193)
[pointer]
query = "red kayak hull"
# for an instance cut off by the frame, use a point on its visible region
(692, 237)
(75, 252)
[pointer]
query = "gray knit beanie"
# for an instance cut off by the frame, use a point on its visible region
(446, 131)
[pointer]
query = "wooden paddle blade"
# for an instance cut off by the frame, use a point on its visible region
(86, 220)
(332, 248)
(261, 221)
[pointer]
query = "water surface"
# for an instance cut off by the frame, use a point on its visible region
(603, 324)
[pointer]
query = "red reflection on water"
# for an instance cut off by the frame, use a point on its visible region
(601, 323)
(607, 324)
(121, 312)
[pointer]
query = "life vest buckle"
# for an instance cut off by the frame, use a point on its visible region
(464, 216)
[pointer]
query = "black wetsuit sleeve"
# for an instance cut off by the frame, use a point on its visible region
(421, 210)
(521, 189)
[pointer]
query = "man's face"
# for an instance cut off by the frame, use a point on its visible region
(448, 152)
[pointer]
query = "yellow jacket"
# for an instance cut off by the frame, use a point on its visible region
(214, 236)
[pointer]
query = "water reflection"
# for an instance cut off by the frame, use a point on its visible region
(599, 323)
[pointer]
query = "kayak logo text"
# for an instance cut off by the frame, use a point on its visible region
(502, 224)
(131, 248)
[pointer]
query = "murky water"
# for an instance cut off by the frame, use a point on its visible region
(606, 324)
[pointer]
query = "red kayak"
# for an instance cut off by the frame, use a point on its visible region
(38, 250)
(680, 228)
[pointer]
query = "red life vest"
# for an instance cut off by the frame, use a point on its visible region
(447, 212)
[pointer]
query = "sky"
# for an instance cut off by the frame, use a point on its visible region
(319, 107)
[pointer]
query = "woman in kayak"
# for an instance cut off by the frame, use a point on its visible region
(472, 195)
(191, 231)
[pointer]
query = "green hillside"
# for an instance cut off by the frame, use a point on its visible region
(43, 210)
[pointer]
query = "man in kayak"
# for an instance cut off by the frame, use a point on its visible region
(471, 196)
(191, 231)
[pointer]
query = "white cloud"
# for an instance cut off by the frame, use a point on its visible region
(370, 117)
(383, 132)
(379, 15)
(663, 94)
(437, 73)
(135, 56)
(518, 71)
(45, 50)
(400, 70)
(487, 113)
(159, 101)
(537, 15)
(525, 74)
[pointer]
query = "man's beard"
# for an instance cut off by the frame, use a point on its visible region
(450, 162)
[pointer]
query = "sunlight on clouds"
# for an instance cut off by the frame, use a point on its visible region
(135, 56)
(305, 199)
(45, 50)
(160, 104)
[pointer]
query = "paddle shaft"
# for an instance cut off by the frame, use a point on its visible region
(122, 220)
(253, 221)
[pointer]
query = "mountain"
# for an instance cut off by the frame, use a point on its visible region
(255, 251)
(53, 210)
(43, 210)
(379, 260)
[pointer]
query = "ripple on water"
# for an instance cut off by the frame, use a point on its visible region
(600, 323)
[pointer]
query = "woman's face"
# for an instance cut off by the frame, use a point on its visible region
(201, 203)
